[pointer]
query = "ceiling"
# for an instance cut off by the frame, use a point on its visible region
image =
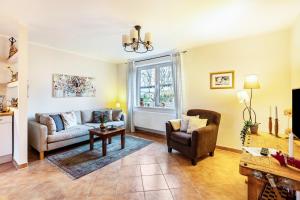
(94, 27)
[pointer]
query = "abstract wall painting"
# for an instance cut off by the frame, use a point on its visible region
(72, 86)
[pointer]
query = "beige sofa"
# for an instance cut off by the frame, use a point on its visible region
(40, 139)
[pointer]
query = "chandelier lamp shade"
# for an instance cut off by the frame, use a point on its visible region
(134, 43)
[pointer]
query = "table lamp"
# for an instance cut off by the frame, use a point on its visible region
(251, 82)
(118, 105)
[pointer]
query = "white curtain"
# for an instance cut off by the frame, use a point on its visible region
(177, 69)
(131, 83)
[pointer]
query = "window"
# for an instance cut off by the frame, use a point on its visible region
(155, 86)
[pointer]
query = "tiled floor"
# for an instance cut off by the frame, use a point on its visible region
(148, 174)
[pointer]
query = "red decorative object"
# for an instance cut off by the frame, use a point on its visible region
(285, 160)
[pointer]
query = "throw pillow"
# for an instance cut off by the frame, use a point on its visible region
(116, 115)
(184, 123)
(97, 115)
(49, 122)
(196, 123)
(69, 119)
(58, 122)
(175, 123)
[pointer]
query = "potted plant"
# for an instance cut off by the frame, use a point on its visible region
(245, 131)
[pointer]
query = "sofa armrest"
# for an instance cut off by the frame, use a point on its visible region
(37, 136)
(204, 139)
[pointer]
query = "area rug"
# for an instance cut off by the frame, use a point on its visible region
(80, 161)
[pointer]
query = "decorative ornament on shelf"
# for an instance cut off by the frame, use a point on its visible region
(288, 114)
(13, 49)
(270, 121)
(134, 43)
(14, 75)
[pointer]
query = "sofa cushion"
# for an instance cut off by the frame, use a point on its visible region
(182, 138)
(49, 122)
(107, 116)
(69, 119)
(116, 115)
(114, 123)
(78, 117)
(58, 122)
(73, 132)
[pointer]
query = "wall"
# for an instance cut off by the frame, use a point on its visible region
(295, 57)
(44, 62)
(265, 55)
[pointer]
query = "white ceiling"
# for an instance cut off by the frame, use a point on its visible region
(94, 27)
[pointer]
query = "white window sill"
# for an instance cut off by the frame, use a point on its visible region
(155, 109)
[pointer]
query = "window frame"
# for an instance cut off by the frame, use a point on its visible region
(157, 67)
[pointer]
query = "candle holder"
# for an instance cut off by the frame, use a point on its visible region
(270, 125)
(276, 127)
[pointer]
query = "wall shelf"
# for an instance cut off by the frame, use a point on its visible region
(13, 84)
(9, 61)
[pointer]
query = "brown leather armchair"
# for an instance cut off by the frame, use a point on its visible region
(201, 142)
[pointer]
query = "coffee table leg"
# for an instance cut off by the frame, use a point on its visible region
(109, 140)
(123, 140)
(104, 147)
(91, 141)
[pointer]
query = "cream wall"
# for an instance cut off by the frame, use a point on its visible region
(266, 55)
(44, 62)
(295, 54)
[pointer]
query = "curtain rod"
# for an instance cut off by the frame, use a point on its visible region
(156, 57)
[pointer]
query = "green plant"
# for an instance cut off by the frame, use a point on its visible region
(245, 131)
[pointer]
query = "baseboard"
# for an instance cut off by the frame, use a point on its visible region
(229, 149)
(21, 166)
(5, 159)
(150, 130)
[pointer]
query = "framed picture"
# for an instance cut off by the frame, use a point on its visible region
(73, 86)
(222, 80)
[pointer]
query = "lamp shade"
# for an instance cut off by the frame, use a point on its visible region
(118, 105)
(251, 82)
(243, 96)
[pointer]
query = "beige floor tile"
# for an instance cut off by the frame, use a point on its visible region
(154, 182)
(131, 196)
(131, 170)
(176, 181)
(129, 185)
(159, 195)
(151, 169)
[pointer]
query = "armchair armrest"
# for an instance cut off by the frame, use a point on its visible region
(169, 129)
(204, 139)
(37, 136)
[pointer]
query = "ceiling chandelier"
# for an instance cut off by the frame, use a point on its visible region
(134, 43)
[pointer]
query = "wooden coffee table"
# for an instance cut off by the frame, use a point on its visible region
(106, 135)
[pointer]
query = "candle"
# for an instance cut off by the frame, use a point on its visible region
(133, 34)
(276, 113)
(148, 37)
(291, 145)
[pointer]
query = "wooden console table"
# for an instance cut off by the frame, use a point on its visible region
(255, 168)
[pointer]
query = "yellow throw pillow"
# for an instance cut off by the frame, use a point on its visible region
(175, 124)
(196, 123)
(185, 122)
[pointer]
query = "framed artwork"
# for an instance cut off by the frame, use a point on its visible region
(73, 86)
(222, 80)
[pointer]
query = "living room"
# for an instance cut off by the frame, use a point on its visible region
(66, 76)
